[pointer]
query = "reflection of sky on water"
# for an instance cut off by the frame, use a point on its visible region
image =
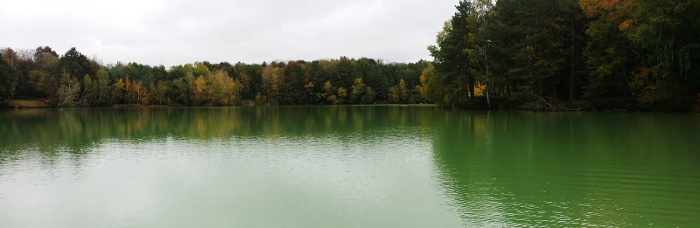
(384, 166)
(378, 177)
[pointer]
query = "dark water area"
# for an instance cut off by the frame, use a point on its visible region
(347, 166)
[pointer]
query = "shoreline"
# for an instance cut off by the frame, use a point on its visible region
(480, 103)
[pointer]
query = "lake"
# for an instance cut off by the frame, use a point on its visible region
(347, 166)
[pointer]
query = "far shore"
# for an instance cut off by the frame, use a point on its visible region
(476, 105)
(19, 104)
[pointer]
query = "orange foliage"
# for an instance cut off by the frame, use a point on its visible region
(610, 10)
(646, 88)
(625, 24)
(128, 84)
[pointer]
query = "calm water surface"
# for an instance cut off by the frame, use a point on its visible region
(354, 166)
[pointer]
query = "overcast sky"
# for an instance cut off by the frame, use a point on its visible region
(176, 32)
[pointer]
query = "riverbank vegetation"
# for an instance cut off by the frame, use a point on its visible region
(568, 55)
(524, 54)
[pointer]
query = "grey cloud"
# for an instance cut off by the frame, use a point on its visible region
(177, 32)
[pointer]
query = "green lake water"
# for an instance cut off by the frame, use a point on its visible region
(347, 166)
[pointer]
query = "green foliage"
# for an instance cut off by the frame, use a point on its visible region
(416, 97)
(90, 91)
(157, 93)
(68, 91)
(432, 89)
(538, 52)
(4, 82)
(644, 49)
(342, 93)
(357, 90)
(117, 92)
(259, 100)
(399, 93)
(75, 63)
(103, 88)
(37, 81)
(368, 96)
(329, 92)
(452, 63)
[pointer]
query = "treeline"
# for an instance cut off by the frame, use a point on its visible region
(73, 79)
(559, 54)
(533, 54)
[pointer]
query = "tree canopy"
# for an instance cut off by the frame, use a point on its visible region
(542, 53)
(75, 80)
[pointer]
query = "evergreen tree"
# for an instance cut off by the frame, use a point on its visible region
(451, 62)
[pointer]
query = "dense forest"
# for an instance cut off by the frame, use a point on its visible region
(530, 54)
(75, 80)
(568, 54)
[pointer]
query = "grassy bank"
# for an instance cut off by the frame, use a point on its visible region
(26, 104)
